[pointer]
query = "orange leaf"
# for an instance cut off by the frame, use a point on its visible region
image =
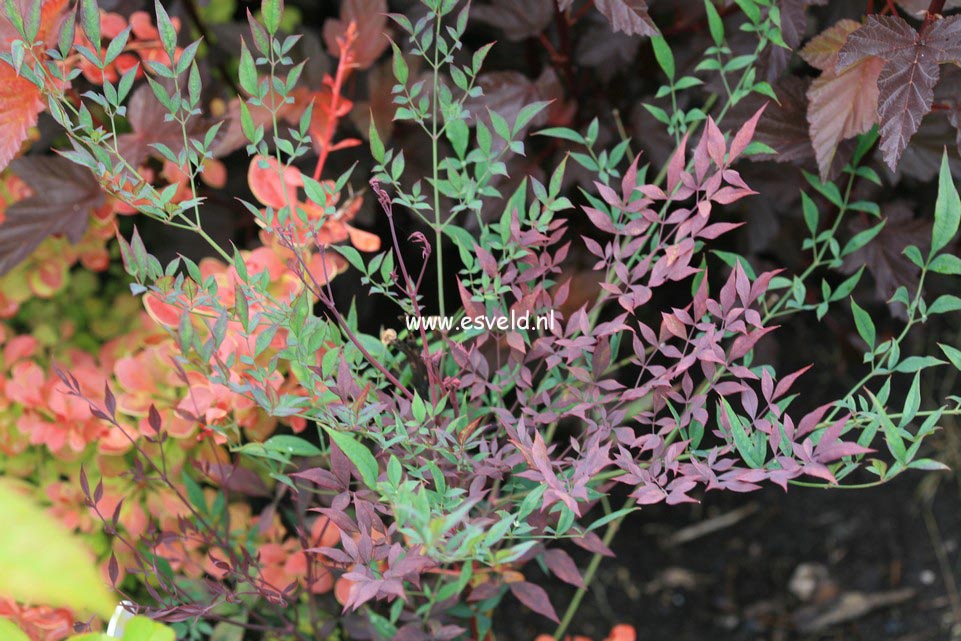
(20, 104)
(363, 240)
(162, 312)
(622, 632)
(267, 186)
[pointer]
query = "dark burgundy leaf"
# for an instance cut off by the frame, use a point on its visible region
(518, 19)
(507, 92)
(64, 195)
(629, 16)
(919, 7)
(607, 52)
(884, 255)
(911, 70)
(236, 479)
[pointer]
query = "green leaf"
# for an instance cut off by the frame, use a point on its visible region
(41, 562)
(292, 445)
(861, 239)
(10, 632)
(401, 71)
(168, 35)
(953, 354)
(947, 209)
(353, 257)
(945, 304)
(140, 628)
(714, 22)
(563, 133)
(928, 465)
(912, 402)
(12, 12)
(358, 454)
(915, 363)
(376, 144)
(457, 133)
(664, 56)
(892, 435)
(750, 450)
(247, 70)
(527, 114)
(948, 264)
(91, 21)
(273, 12)
(864, 324)
(810, 213)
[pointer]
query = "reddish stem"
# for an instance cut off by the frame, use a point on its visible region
(582, 11)
(934, 10)
(344, 66)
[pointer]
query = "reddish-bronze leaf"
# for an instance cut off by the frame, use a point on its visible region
(20, 99)
(20, 104)
(64, 194)
(842, 102)
(783, 126)
(911, 69)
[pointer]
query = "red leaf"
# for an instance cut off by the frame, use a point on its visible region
(534, 597)
(784, 384)
(715, 142)
(601, 220)
(64, 194)
(744, 135)
(911, 70)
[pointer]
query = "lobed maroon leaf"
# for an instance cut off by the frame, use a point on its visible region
(911, 69)
(64, 197)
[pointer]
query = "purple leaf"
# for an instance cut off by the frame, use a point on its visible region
(563, 567)
(534, 597)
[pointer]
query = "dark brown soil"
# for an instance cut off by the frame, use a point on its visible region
(875, 550)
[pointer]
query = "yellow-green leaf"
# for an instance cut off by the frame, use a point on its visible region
(10, 632)
(41, 562)
(141, 628)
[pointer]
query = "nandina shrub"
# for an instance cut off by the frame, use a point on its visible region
(286, 461)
